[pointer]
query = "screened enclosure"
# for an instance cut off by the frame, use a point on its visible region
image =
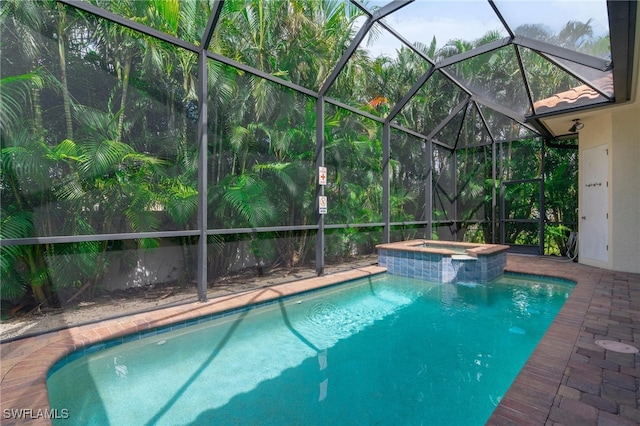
(163, 141)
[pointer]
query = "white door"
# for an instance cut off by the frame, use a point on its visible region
(595, 203)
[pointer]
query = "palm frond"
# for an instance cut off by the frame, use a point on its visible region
(71, 188)
(74, 263)
(188, 20)
(247, 197)
(140, 214)
(65, 150)
(148, 243)
(39, 277)
(100, 158)
(98, 125)
(12, 284)
(181, 202)
(288, 173)
(14, 94)
(27, 157)
(264, 95)
(238, 137)
(144, 158)
(18, 225)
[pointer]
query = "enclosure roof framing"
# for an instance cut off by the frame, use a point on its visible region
(492, 55)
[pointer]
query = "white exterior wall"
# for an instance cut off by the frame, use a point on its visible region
(597, 132)
(625, 191)
(618, 129)
(145, 267)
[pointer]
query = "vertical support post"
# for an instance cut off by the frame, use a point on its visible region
(428, 190)
(541, 207)
(386, 182)
(319, 188)
(202, 176)
(503, 231)
(494, 179)
(501, 174)
(454, 184)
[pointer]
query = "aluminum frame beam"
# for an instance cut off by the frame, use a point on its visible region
(141, 28)
(320, 162)
(203, 204)
(563, 53)
(622, 19)
(622, 33)
(216, 11)
(386, 181)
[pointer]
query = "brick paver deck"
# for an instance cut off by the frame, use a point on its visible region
(567, 380)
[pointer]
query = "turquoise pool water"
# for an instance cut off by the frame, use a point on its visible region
(453, 248)
(384, 350)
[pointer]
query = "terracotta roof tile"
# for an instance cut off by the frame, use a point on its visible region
(580, 95)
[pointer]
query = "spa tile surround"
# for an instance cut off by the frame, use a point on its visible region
(442, 261)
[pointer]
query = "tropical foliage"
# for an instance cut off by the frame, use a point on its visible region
(100, 138)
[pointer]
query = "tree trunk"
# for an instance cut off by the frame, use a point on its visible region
(32, 259)
(123, 99)
(63, 71)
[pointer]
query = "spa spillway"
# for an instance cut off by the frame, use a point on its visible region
(443, 261)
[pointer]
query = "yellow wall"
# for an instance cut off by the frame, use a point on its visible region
(625, 191)
(619, 129)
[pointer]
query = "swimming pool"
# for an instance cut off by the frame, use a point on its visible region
(386, 350)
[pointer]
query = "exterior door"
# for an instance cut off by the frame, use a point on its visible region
(594, 216)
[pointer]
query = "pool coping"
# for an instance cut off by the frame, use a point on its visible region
(473, 249)
(568, 379)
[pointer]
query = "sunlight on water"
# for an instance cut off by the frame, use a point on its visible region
(389, 350)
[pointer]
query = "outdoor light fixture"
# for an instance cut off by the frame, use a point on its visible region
(577, 125)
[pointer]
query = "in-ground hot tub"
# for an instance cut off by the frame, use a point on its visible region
(443, 261)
